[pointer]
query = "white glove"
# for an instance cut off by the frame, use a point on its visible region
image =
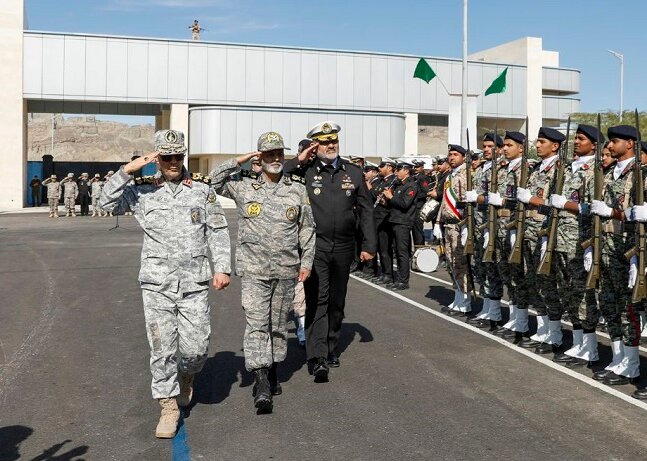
(588, 259)
(544, 245)
(471, 196)
(494, 198)
(639, 213)
(512, 237)
(486, 238)
(633, 271)
(558, 201)
(463, 235)
(600, 208)
(523, 195)
(437, 232)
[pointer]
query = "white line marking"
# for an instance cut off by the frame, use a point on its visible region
(538, 358)
(532, 311)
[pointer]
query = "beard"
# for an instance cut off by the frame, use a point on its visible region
(272, 168)
(327, 156)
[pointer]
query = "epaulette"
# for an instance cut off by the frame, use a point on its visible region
(248, 174)
(141, 180)
(297, 178)
(199, 177)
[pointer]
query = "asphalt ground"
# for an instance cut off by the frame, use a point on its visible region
(413, 383)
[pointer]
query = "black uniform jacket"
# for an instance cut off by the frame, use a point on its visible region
(403, 203)
(382, 207)
(338, 196)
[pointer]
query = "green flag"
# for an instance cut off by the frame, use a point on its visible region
(498, 85)
(424, 71)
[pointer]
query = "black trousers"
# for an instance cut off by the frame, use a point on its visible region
(36, 198)
(85, 204)
(418, 229)
(325, 292)
(403, 251)
(385, 247)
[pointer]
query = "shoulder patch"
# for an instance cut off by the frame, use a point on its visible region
(199, 177)
(141, 180)
(297, 178)
(248, 174)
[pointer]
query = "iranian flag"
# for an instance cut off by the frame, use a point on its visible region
(451, 199)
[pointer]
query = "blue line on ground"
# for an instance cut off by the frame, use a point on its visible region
(181, 450)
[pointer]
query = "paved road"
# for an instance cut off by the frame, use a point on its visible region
(74, 379)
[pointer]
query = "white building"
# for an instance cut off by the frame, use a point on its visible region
(224, 95)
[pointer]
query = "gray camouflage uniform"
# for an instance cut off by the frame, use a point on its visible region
(70, 193)
(182, 225)
(97, 187)
(275, 240)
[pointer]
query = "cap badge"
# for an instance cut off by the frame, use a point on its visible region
(272, 137)
(170, 137)
(326, 128)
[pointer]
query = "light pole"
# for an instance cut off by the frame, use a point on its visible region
(53, 126)
(463, 136)
(621, 57)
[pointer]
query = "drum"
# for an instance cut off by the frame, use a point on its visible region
(425, 259)
(427, 210)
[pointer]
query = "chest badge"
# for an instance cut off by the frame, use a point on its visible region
(317, 191)
(196, 216)
(291, 213)
(254, 209)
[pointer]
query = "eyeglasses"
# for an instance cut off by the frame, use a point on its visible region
(168, 158)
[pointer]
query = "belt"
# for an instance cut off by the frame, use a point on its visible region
(613, 226)
(510, 204)
(481, 208)
(503, 213)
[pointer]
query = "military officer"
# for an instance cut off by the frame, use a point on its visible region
(96, 186)
(338, 195)
(183, 223)
(275, 249)
(448, 229)
(386, 170)
(367, 270)
(401, 200)
(53, 195)
(84, 194)
(424, 185)
(70, 193)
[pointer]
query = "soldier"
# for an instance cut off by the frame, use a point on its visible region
(84, 194)
(581, 303)
(338, 194)
(448, 230)
(401, 200)
(35, 185)
(53, 195)
(275, 249)
(547, 291)
(614, 295)
(424, 185)
(195, 30)
(183, 222)
(372, 179)
(384, 228)
(96, 186)
(486, 274)
(70, 193)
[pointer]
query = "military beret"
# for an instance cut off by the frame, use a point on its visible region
(494, 138)
(590, 132)
(643, 146)
(403, 164)
(455, 147)
(623, 132)
(515, 136)
(551, 134)
(324, 131)
(387, 161)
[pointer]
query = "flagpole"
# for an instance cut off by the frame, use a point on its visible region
(464, 89)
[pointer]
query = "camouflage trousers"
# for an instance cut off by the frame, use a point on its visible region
(509, 273)
(266, 304)
(486, 274)
(299, 304)
(53, 205)
(95, 204)
(622, 320)
(478, 269)
(178, 328)
(456, 259)
(525, 279)
(69, 204)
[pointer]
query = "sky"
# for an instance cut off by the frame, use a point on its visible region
(581, 30)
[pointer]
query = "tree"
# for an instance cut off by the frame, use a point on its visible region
(610, 118)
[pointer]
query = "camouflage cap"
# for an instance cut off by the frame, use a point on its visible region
(169, 142)
(270, 141)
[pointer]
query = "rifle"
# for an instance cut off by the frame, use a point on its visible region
(469, 207)
(594, 242)
(638, 250)
(547, 261)
(492, 216)
(516, 254)
(379, 197)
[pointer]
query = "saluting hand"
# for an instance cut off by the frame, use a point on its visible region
(247, 157)
(308, 153)
(140, 162)
(220, 281)
(304, 274)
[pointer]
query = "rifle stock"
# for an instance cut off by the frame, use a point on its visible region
(516, 254)
(469, 207)
(492, 216)
(593, 278)
(639, 289)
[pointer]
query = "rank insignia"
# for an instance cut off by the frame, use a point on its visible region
(317, 191)
(347, 186)
(197, 215)
(291, 213)
(256, 185)
(254, 209)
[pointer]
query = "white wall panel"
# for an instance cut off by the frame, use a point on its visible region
(345, 81)
(255, 76)
(369, 136)
(291, 78)
(245, 139)
(74, 76)
(395, 83)
(95, 67)
(158, 70)
(53, 65)
(198, 68)
(281, 124)
(178, 59)
(261, 122)
(117, 69)
(354, 144)
(236, 74)
(361, 82)
(195, 128)
(273, 77)
(299, 126)
(228, 129)
(137, 69)
(210, 131)
(328, 80)
(309, 79)
(33, 67)
(379, 83)
(217, 74)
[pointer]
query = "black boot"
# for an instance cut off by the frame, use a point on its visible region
(275, 385)
(640, 394)
(261, 391)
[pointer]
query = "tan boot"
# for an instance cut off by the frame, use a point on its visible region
(73, 213)
(51, 215)
(56, 215)
(169, 418)
(186, 389)
(94, 213)
(67, 214)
